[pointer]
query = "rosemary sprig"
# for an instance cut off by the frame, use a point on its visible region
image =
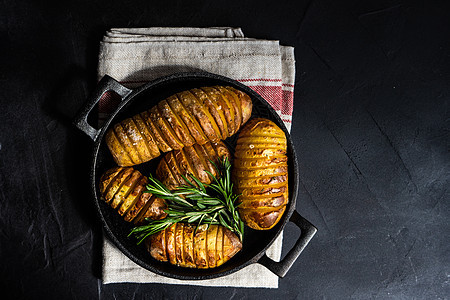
(195, 202)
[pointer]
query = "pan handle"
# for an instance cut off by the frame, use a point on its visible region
(106, 84)
(307, 232)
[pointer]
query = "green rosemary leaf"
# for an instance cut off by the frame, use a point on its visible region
(205, 204)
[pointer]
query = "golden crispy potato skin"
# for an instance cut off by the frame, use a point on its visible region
(194, 160)
(260, 171)
(123, 189)
(209, 247)
(206, 114)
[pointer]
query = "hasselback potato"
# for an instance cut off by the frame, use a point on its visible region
(182, 245)
(123, 189)
(194, 116)
(195, 160)
(260, 171)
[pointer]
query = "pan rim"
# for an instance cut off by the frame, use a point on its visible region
(167, 80)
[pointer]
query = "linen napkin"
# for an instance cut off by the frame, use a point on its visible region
(134, 56)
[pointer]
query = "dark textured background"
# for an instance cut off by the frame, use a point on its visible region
(371, 126)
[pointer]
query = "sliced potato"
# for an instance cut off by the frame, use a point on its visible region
(156, 245)
(255, 163)
(195, 163)
(262, 218)
(107, 178)
(136, 212)
(147, 135)
(195, 160)
(219, 247)
(156, 209)
(190, 122)
(232, 128)
(163, 171)
(246, 105)
(165, 129)
(207, 247)
(199, 115)
(170, 244)
(127, 144)
(267, 171)
(116, 184)
(211, 238)
(188, 246)
(156, 134)
(261, 173)
(274, 181)
(200, 257)
(178, 126)
(235, 104)
(273, 201)
(179, 241)
(213, 109)
(125, 189)
(119, 154)
(136, 139)
(135, 192)
(223, 108)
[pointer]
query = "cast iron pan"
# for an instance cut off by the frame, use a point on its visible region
(143, 98)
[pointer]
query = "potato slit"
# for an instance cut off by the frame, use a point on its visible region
(207, 165)
(143, 137)
(198, 114)
(120, 156)
(232, 98)
(219, 106)
(238, 103)
(231, 110)
(137, 139)
(118, 199)
(141, 213)
(185, 118)
(160, 141)
(110, 180)
(169, 127)
(170, 176)
(211, 119)
(152, 143)
(129, 203)
(127, 172)
(135, 208)
(120, 143)
(212, 108)
(183, 132)
(131, 145)
(164, 129)
(194, 122)
(190, 169)
(172, 161)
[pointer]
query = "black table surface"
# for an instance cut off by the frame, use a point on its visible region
(370, 125)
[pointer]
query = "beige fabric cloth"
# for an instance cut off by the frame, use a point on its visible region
(134, 56)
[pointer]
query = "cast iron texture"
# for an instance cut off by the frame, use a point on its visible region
(142, 98)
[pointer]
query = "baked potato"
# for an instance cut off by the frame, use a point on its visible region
(194, 116)
(182, 245)
(195, 160)
(260, 173)
(123, 189)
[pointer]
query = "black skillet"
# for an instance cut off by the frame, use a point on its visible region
(142, 98)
